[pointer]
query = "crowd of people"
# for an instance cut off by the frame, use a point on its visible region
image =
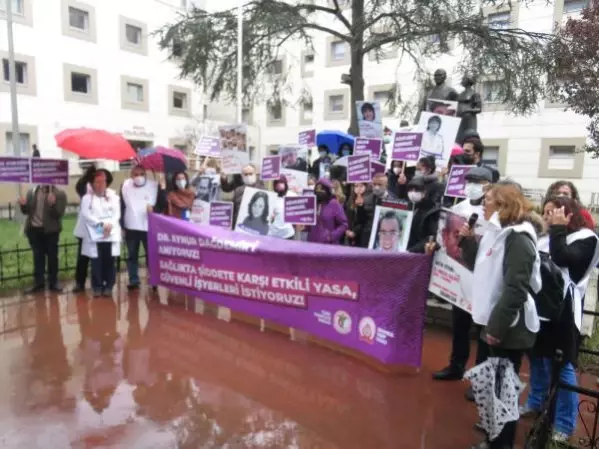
(520, 250)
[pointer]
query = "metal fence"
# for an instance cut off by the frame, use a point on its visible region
(539, 436)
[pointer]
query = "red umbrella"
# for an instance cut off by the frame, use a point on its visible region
(95, 144)
(162, 159)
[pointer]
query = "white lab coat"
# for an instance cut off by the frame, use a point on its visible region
(95, 210)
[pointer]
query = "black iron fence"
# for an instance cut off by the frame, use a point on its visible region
(539, 436)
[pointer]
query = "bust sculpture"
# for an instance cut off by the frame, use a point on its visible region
(469, 105)
(441, 91)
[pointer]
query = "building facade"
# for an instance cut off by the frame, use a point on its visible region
(536, 149)
(95, 64)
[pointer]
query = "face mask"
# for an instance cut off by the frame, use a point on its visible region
(423, 173)
(387, 139)
(396, 170)
(345, 153)
(321, 196)
(378, 191)
(473, 191)
(415, 197)
(467, 159)
(181, 183)
(249, 180)
(210, 171)
(322, 154)
(139, 181)
(310, 188)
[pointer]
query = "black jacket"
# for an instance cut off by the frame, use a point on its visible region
(360, 220)
(315, 169)
(425, 223)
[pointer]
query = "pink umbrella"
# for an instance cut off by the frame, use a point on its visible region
(161, 159)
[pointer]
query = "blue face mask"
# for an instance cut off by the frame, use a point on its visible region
(345, 153)
(322, 154)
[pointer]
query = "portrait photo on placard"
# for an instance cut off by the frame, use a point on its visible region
(390, 229)
(448, 235)
(207, 187)
(294, 166)
(256, 211)
(438, 135)
(370, 119)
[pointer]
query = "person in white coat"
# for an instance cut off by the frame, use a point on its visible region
(278, 228)
(100, 214)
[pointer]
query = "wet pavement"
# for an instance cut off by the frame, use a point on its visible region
(158, 371)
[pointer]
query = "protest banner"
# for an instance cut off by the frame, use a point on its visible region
(300, 210)
(456, 182)
(390, 229)
(271, 168)
(50, 171)
(233, 146)
(358, 168)
(221, 214)
(376, 168)
(369, 145)
(294, 166)
(370, 119)
(15, 169)
(307, 138)
(208, 146)
(406, 146)
(451, 278)
(438, 136)
(350, 297)
(256, 211)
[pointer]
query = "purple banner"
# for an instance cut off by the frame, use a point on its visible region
(307, 138)
(366, 145)
(456, 181)
(50, 171)
(376, 168)
(348, 296)
(358, 168)
(406, 146)
(300, 210)
(208, 146)
(271, 168)
(15, 169)
(221, 214)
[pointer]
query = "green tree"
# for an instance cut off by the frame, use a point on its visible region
(205, 44)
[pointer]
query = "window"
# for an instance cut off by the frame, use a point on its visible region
(561, 157)
(572, 7)
(275, 111)
(383, 99)
(491, 92)
(336, 103)
(80, 83)
(17, 6)
(20, 71)
(491, 156)
(308, 63)
(245, 115)
(78, 19)
(307, 112)
(499, 20)
(180, 147)
(24, 145)
(135, 93)
(177, 47)
(179, 100)
(337, 51)
(276, 67)
(133, 34)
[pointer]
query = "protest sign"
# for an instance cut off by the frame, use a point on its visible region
(294, 166)
(50, 171)
(271, 168)
(221, 214)
(207, 187)
(208, 146)
(361, 303)
(451, 278)
(376, 168)
(15, 169)
(456, 181)
(307, 138)
(370, 119)
(406, 146)
(358, 168)
(300, 210)
(255, 211)
(369, 145)
(390, 229)
(308, 192)
(438, 136)
(233, 146)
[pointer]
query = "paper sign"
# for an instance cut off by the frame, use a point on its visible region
(300, 210)
(208, 146)
(221, 214)
(50, 171)
(358, 168)
(406, 146)
(456, 181)
(15, 169)
(366, 145)
(271, 168)
(376, 168)
(307, 138)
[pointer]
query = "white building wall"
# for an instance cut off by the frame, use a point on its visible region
(49, 113)
(522, 138)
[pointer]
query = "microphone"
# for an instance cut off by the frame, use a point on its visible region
(471, 222)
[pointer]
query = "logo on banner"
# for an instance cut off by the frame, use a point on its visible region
(367, 329)
(342, 322)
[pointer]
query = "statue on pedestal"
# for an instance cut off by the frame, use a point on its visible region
(469, 105)
(440, 91)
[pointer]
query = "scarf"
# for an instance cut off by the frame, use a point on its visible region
(179, 200)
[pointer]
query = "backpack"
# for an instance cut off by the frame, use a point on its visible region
(550, 299)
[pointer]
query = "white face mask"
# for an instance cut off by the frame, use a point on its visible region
(249, 180)
(396, 170)
(210, 171)
(473, 191)
(181, 183)
(415, 197)
(139, 181)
